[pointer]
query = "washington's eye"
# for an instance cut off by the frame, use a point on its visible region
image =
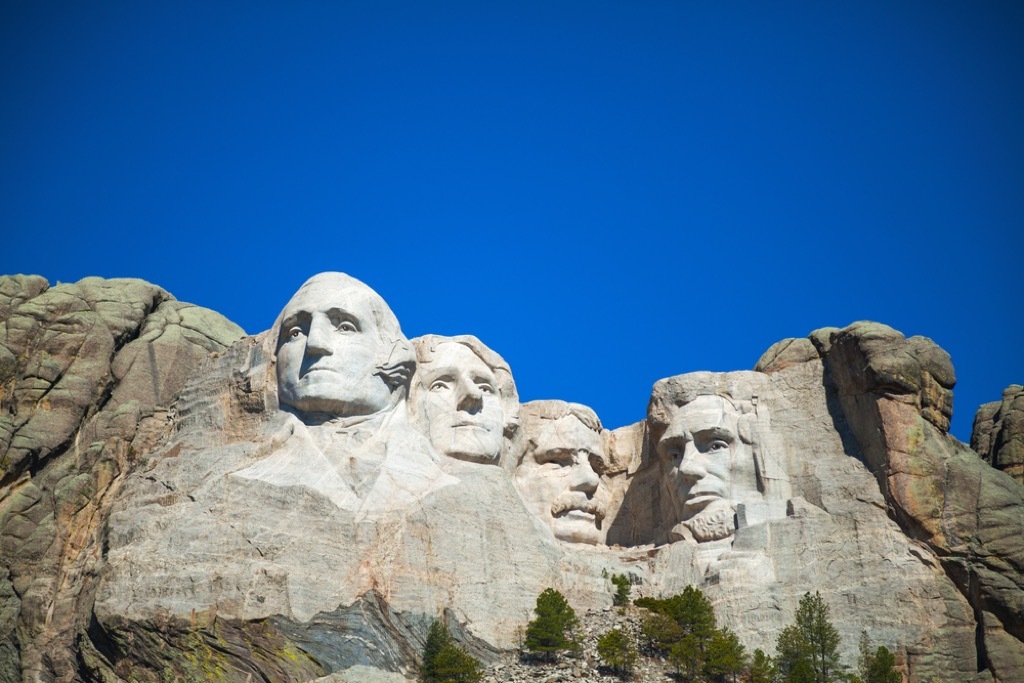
(717, 446)
(294, 332)
(347, 326)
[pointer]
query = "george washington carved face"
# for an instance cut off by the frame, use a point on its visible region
(335, 342)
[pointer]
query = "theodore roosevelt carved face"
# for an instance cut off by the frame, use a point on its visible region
(711, 467)
(340, 350)
(557, 476)
(463, 397)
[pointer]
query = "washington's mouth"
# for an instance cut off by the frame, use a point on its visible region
(313, 371)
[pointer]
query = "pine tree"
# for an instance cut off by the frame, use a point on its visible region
(882, 668)
(792, 658)
(695, 618)
(444, 661)
(617, 652)
(726, 658)
(762, 668)
(552, 630)
(661, 632)
(808, 652)
(622, 588)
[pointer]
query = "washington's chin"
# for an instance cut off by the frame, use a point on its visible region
(319, 399)
(577, 526)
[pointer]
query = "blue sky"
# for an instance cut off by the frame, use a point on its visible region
(606, 193)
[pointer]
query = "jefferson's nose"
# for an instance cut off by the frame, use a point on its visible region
(471, 399)
(319, 341)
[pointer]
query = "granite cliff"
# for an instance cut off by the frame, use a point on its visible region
(179, 500)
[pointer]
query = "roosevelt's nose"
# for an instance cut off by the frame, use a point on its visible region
(583, 477)
(318, 343)
(470, 399)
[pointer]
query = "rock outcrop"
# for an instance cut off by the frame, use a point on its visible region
(183, 502)
(88, 372)
(893, 397)
(998, 432)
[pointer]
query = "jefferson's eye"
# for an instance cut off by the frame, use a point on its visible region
(557, 456)
(438, 385)
(347, 326)
(485, 387)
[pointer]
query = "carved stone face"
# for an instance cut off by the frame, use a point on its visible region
(711, 468)
(459, 398)
(329, 348)
(558, 482)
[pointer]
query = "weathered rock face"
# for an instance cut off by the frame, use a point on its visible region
(318, 494)
(87, 375)
(998, 433)
(893, 396)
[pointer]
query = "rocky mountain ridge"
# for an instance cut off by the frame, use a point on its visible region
(133, 548)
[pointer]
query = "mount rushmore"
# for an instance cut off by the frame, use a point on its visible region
(179, 499)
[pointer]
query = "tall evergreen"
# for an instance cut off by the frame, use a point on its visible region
(725, 657)
(617, 652)
(552, 630)
(444, 661)
(882, 667)
(808, 652)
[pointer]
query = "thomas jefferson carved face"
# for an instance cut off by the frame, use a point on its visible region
(333, 335)
(458, 394)
(711, 468)
(557, 477)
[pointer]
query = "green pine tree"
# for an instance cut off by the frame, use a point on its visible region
(661, 632)
(882, 668)
(725, 657)
(762, 668)
(552, 630)
(444, 661)
(622, 588)
(692, 613)
(617, 652)
(808, 652)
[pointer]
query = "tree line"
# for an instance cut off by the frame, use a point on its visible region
(683, 631)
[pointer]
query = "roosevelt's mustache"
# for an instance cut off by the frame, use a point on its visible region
(576, 501)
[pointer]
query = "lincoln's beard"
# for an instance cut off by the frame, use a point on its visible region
(713, 523)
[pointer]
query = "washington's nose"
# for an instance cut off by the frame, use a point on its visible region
(319, 341)
(471, 399)
(584, 478)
